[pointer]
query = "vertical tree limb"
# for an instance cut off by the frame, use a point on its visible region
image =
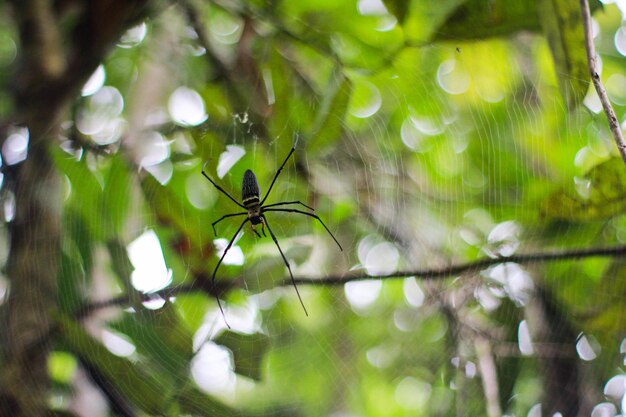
(489, 376)
(32, 269)
(48, 75)
(563, 389)
(597, 82)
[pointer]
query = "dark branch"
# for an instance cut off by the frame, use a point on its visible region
(434, 273)
(469, 267)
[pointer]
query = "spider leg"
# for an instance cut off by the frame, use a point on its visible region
(289, 202)
(310, 215)
(293, 148)
(224, 217)
(255, 231)
(230, 244)
(286, 263)
(220, 188)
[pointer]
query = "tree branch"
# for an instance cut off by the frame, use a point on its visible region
(31, 268)
(242, 78)
(434, 273)
(489, 376)
(40, 37)
(469, 267)
(47, 76)
(597, 82)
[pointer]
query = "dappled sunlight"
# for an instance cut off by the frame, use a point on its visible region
(95, 82)
(101, 117)
(620, 40)
(225, 28)
(228, 159)
(186, 107)
(150, 272)
(199, 195)
(15, 146)
(133, 36)
(362, 294)
(117, 343)
(452, 78)
(524, 339)
(468, 368)
(587, 348)
(514, 280)
(413, 292)
(378, 258)
(382, 356)
(615, 388)
(212, 370)
(504, 239)
(152, 149)
(412, 394)
(235, 254)
(366, 99)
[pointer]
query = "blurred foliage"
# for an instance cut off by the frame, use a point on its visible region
(600, 194)
(426, 135)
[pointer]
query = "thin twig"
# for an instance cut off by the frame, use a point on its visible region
(489, 376)
(469, 267)
(597, 82)
(435, 273)
(195, 20)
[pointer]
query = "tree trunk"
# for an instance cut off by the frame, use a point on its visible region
(55, 60)
(32, 271)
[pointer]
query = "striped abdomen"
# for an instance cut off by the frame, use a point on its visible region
(250, 192)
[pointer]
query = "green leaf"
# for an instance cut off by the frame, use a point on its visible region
(600, 195)
(329, 120)
(507, 317)
(170, 209)
(71, 276)
(142, 389)
(61, 366)
(176, 157)
(116, 194)
(192, 308)
(608, 301)
(479, 19)
(269, 271)
(192, 401)
(161, 336)
(85, 192)
(265, 273)
(186, 236)
(398, 8)
(562, 25)
(123, 268)
(77, 230)
(75, 262)
(248, 351)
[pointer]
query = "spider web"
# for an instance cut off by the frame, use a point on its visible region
(444, 158)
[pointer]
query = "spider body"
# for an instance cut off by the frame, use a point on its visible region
(255, 214)
(251, 199)
(250, 192)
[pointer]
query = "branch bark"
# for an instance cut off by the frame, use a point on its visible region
(465, 268)
(31, 268)
(616, 131)
(202, 284)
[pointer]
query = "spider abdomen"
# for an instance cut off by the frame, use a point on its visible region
(255, 220)
(250, 192)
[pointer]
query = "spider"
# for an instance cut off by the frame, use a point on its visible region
(255, 214)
